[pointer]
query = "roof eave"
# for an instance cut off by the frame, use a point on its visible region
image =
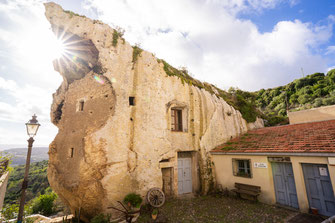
(320, 154)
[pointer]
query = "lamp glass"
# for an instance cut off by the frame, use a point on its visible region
(32, 129)
(32, 126)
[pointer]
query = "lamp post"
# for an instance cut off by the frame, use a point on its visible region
(32, 127)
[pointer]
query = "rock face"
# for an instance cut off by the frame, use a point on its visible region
(124, 123)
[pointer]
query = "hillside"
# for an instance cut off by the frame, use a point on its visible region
(37, 184)
(19, 155)
(312, 91)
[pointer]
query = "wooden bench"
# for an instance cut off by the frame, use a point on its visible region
(247, 191)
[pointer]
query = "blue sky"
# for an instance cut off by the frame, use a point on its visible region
(250, 44)
(307, 11)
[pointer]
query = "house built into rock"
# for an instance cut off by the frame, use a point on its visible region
(125, 123)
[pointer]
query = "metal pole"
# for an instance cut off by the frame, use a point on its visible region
(25, 181)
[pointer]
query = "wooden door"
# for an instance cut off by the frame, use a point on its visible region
(284, 183)
(319, 188)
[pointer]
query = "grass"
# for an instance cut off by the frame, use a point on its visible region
(73, 14)
(226, 148)
(216, 209)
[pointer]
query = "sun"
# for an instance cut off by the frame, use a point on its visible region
(38, 47)
(57, 48)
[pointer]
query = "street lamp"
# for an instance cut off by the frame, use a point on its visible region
(32, 127)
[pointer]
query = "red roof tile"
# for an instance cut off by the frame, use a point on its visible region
(311, 137)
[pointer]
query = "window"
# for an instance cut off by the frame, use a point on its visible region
(131, 101)
(81, 105)
(176, 120)
(71, 152)
(242, 168)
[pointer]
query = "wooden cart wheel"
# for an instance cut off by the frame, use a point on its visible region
(156, 197)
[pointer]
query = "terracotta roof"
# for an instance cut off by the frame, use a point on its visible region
(314, 137)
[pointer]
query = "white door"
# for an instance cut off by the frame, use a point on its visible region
(184, 175)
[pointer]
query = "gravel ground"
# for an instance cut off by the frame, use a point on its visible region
(217, 209)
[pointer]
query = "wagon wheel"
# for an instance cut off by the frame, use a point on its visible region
(156, 197)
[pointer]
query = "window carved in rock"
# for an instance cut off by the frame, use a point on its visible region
(131, 101)
(71, 152)
(80, 105)
(177, 119)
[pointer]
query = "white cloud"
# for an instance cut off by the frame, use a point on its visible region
(28, 81)
(7, 84)
(217, 46)
(294, 2)
(330, 50)
(26, 101)
(250, 6)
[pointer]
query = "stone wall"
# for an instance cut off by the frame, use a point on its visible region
(3, 187)
(105, 147)
(312, 115)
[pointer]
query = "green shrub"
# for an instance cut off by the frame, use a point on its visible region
(135, 200)
(10, 211)
(280, 107)
(277, 120)
(328, 101)
(331, 75)
(155, 211)
(303, 99)
(101, 218)
(282, 112)
(44, 204)
(117, 33)
(317, 102)
(136, 53)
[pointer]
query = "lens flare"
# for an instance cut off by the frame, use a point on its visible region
(59, 48)
(98, 79)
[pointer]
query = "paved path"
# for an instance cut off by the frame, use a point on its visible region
(306, 218)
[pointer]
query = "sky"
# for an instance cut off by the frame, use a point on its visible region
(249, 44)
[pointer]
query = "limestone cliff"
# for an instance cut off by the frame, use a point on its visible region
(114, 111)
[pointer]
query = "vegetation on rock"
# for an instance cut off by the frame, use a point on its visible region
(312, 91)
(136, 53)
(240, 100)
(73, 14)
(117, 33)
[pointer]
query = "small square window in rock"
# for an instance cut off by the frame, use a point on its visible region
(81, 106)
(131, 101)
(164, 160)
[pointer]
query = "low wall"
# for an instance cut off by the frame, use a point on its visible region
(3, 187)
(312, 115)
